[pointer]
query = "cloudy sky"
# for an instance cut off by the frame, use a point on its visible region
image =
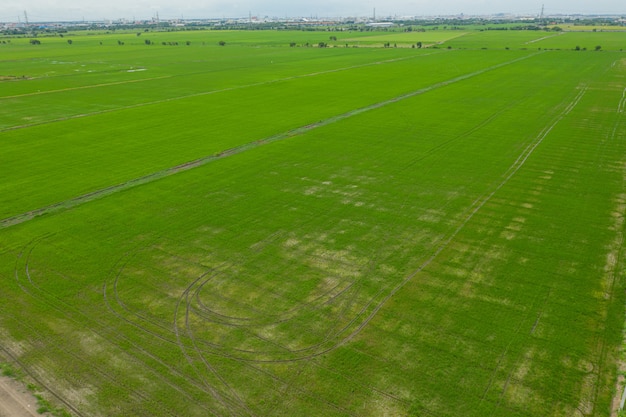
(41, 10)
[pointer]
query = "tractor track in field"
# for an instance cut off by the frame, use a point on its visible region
(222, 398)
(96, 194)
(479, 203)
(448, 143)
(40, 383)
(202, 385)
(235, 407)
(613, 273)
(63, 308)
(250, 365)
(317, 304)
(334, 338)
(543, 38)
(199, 347)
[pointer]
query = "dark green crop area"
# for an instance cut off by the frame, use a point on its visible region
(259, 229)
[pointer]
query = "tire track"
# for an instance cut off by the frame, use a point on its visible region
(192, 293)
(335, 338)
(203, 385)
(239, 405)
(79, 200)
(371, 304)
(42, 384)
(612, 271)
(476, 206)
(59, 305)
(232, 395)
(44, 298)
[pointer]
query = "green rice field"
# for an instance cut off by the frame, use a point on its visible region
(259, 229)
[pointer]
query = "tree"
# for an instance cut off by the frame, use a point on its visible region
(598, 48)
(419, 44)
(35, 42)
(148, 42)
(292, 44)
(69, 41)
(222, 43)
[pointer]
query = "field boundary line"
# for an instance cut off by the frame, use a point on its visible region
(186, 96)
(542, 39)
(84, 198)
(84, 87)
(622, 103)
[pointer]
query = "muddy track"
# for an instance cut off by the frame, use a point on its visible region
(79, 200)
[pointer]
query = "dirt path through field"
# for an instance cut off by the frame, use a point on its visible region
(15, 400)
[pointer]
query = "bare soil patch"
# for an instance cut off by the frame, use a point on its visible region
(16, 400)
(12, 77)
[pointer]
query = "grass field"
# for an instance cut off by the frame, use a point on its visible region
(259, 229)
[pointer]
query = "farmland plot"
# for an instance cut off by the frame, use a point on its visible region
(449, 244)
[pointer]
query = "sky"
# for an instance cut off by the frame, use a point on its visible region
(54, 10)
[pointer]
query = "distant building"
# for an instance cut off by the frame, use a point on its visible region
(381, 24)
